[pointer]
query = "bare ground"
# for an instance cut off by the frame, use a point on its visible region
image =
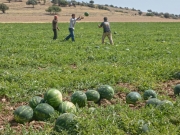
(19, 12)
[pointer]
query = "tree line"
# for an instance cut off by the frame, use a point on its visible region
(56, 4)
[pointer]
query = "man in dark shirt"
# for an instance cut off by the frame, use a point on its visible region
(106, 30)
(55, 26)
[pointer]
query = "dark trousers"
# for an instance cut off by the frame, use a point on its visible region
(71, 34)
(55, 34)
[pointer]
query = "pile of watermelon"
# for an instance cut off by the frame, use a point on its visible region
(42, 108)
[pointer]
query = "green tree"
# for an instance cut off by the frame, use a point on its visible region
(31, 2)
(140, 12)
(167, 15)
(91, 2)
(62, 3)
(53, 9)
(149, 10)
(3, 7)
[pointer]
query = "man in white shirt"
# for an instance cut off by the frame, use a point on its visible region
(71, 27)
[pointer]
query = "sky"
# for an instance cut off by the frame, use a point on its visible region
(165, 6)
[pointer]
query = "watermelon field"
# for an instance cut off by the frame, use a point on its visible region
(145, 56)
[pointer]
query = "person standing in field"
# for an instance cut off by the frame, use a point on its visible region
(71, 27)
(55, 26)
(106, 30)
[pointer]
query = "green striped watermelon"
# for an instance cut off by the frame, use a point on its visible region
(34, 101)
(79, 98)
(86, 13)
(133, 97)
(106, 92)
(153, 102)
(43, 111)
(67, 107)
(66, 121)
(149, 94)
(164, 104)
(177, 90)
(53, 97)
(92, 95)
(23, 114)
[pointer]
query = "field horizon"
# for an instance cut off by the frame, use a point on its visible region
(19, 12)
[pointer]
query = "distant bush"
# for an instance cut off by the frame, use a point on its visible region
(31, 2)
(91, 5)
(140, 12)
(149, 14)
(102, 7)
(118, 11)
(166, 15)
(111, 5)
(62, 3)
(3, 7)
(53, 9)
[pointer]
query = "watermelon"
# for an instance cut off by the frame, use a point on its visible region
(79, 98)
(92, 95)
(149, 94)
(86, 14)
(164, 104)
(66, 121)
(53, 97)
(153, 102)
(133, 97)
(43, 111)
(106, 92)
(177, 90)
(23, 114)
(34, 101)
(66, 107)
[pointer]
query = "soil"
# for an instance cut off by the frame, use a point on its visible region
(19, 12)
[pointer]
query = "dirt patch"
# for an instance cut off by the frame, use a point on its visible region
(19, 12)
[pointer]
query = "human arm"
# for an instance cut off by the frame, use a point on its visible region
(79, 18)
(100, 25)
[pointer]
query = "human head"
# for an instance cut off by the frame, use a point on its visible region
(105, 19)
(55, 17)
(73, 15)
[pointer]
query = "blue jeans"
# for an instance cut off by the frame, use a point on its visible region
(71, 35)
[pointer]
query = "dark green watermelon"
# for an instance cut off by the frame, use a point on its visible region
(79, 98)
(53, 97)
(43, 111)
(177, 90)
(149, 94)
(92, 95)
(23, 114)
(106, 92)
(66, 121)
(133, 97)
(34, 101)
(67, 107)
(164, 104)
(86, 13)
(153, 102)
